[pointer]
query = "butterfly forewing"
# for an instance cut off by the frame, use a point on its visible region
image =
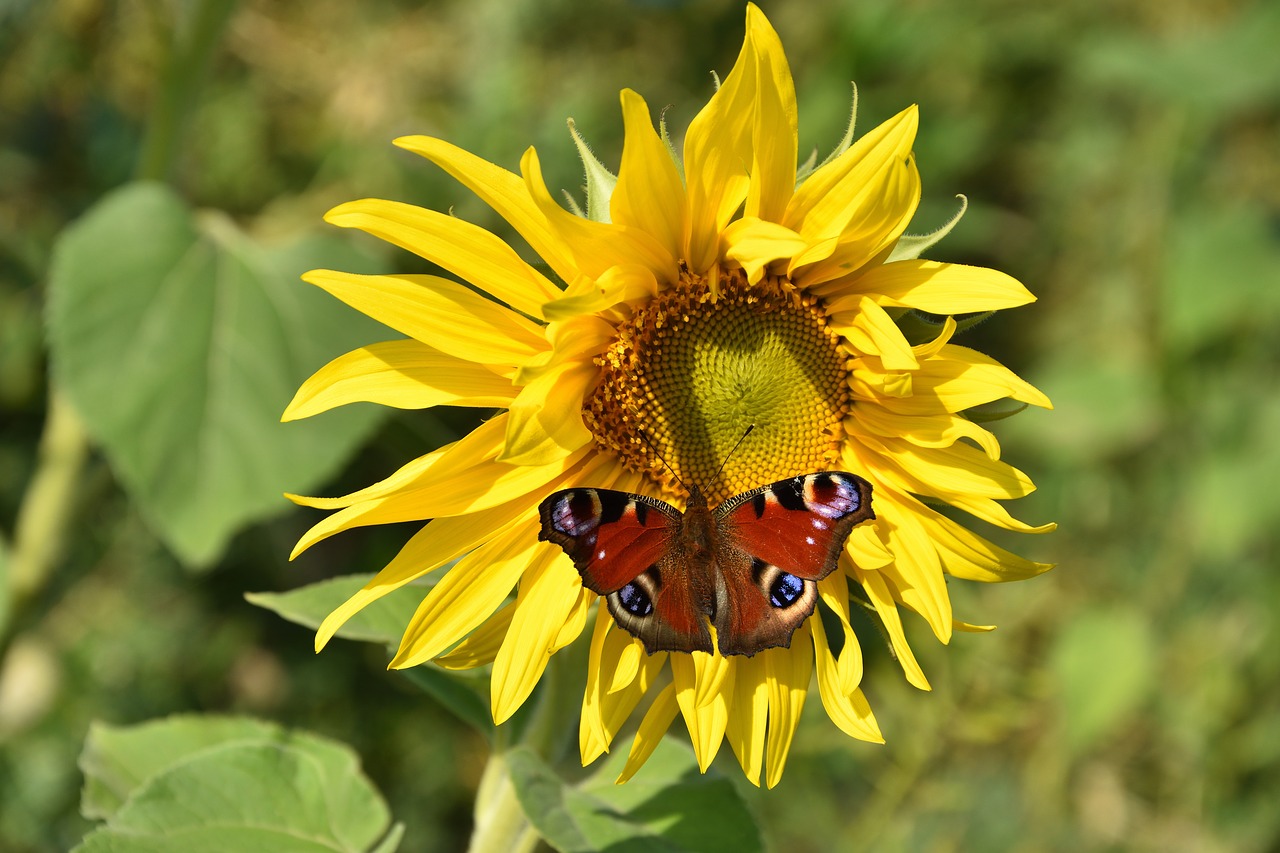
(799, 525)
(612, 537)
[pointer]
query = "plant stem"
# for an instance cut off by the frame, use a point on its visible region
(46, 510)
(191, 48)
(40, 531)
(500, 822)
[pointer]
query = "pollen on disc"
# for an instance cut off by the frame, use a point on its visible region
(691, 374)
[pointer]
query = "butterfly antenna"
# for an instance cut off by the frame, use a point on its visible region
(720, 470)
(645, 439)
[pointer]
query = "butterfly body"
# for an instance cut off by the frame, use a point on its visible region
(749, 567)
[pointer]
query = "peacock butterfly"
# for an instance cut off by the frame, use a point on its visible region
(749, 567)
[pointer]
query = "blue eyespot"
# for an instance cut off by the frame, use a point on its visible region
(635, 600)
(785, 590)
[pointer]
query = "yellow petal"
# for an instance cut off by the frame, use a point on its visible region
(549, 593)
(605, 712)
(478, 445)
(866, 547)
(879, 594)
(877, 386)
(848, 716)
(939, 430)
(657, 720)
(916, 571)
(468, 251)
(870, 330)
(748, 716)
(787, 672)
(620, 283)
(834, 591)
(706, 721)
(576, 620)
(957, 469)
(754, 243)
(717, 155)
(841, 191)
(467, 595)
(973, 629)
(930, 349)
(628, 666)
(402, 374)
(934, 287)
(597, 246)
(993, 513)
(444, 313)
(444, 539)
(878, 218)
(967, 555)
(430, 548)
(774, 125)
(482, 645)
(616, 707)
(579, 338)
(448, 489)
(545, 424)
(649, 194)
(504, 191)
(591, 737)
(956, 379)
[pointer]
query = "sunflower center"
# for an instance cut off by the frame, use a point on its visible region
(691, 375)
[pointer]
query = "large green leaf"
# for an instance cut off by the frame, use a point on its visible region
(208, 784)
(382, 621)
(669, 806)
(180, 341)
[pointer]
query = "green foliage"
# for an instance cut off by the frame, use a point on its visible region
(670, 808)
(1118, 158)
(212, 784)
(1104, 663)
(382, 621)
(214, 333)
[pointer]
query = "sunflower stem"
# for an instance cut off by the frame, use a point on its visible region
(500, 822)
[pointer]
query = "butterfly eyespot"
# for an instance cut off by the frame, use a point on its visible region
(635, 600)
(785, 590)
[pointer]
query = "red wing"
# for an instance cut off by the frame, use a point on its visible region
(659, 607)
(763, 605)
(612, 537)
(798, 525)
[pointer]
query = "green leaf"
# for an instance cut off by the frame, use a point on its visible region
(180, 341)
(382, 621)
(1105, 667)
(462, 693)
(209, 784)
(600, 181)
(669, 806)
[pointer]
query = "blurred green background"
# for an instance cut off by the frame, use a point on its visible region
(1121, 159)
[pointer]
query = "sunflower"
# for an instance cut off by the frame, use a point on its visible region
(698, 294)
